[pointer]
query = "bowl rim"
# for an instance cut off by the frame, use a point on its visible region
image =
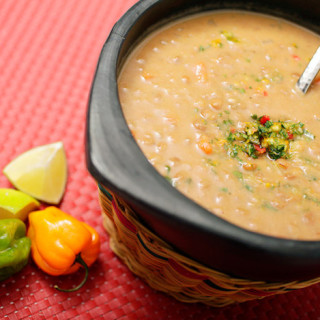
(108, 163)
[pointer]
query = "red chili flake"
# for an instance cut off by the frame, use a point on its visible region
(265, 93)
(264, 119)
(290, 135)
(296, 57)
(232, 130)
(259, 149)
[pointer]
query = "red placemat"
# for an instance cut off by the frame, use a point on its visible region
(49, 50)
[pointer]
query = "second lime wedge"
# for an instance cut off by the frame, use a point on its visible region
(16, 204)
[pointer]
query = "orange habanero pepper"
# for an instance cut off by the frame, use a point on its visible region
(60, 244)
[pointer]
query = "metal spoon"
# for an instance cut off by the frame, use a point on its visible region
(310, 72)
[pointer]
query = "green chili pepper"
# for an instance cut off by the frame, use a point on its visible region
(14, 247)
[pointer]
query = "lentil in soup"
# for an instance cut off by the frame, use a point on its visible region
(211, 101)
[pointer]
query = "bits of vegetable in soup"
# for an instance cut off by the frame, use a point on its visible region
(212, 102)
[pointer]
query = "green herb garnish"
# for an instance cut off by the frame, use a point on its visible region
(229, 36)
(263, 136)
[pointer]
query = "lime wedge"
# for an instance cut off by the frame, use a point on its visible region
(16, 204)
(40, 172)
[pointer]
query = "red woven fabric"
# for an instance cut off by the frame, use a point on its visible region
(49, 50)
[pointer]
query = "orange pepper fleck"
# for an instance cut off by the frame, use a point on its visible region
(205, 145)
(316, 81)
(296, 57)
(147, 76)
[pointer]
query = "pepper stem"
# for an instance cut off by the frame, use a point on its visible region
(81, 261)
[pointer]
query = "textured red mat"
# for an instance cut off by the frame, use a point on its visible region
(48, 55)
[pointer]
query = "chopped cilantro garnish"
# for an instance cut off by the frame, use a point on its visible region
(238, 174)
(231, 137)
(268, 205)
(277, 151)
(167, 176)
(203, 48)
(234, 151)
(311, 198)
(251, 151)
(229, 36)
(265, 136)
(210, 162)
(268, 124)
(228, 121)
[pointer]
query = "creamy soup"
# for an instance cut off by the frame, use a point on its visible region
(212, 102)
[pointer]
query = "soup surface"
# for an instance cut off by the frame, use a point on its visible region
(212, 102)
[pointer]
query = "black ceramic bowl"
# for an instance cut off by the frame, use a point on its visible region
(115, 160)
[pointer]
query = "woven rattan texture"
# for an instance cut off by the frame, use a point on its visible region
(168, 271)
(49, 49)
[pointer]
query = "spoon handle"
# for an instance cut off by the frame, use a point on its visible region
(310, 72)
